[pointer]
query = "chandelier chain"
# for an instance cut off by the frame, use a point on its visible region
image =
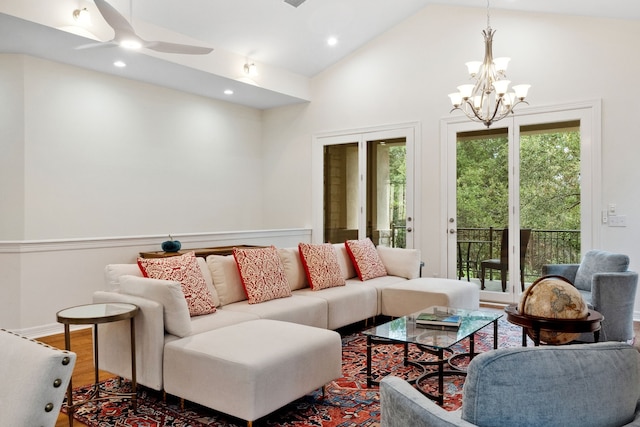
(488, 16)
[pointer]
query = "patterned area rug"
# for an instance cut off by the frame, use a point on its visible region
(347, 402)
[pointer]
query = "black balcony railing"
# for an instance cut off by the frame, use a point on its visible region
(545, 247)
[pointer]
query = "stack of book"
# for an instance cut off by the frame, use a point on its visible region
(439, 320)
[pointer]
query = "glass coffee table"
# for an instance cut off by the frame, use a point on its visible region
(433, 341)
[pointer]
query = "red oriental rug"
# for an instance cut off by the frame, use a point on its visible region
(347, 403)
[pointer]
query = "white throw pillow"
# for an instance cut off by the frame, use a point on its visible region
(226, 278)
(346, 266)
(177, 320)
(400, 262)
(206, 273)
(113, 272)
(293, 268)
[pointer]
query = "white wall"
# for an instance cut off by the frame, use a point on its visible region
(405, 75)
(105, 156)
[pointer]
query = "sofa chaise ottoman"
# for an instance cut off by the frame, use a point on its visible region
(414, 295)
(250, 369)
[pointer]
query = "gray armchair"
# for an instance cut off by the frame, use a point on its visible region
(35, 377)
(607, 286)
(579, 385)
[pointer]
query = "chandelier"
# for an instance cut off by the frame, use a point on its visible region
(488, 99)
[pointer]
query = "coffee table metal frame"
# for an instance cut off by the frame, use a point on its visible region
(592, 323)
(404, 330)
(95, 314)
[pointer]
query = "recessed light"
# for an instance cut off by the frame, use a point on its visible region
(120, 64)
(228, 92)
(131, 44)
(332, 41)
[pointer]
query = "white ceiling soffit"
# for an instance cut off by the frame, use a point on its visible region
(20, 36)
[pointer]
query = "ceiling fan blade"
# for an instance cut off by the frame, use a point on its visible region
(96, 45)
(124, 32)
(166, 47)
(120, 25)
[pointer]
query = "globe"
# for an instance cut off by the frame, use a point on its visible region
(556, 298)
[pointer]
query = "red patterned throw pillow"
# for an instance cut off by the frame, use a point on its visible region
(185, 270)
(365, 259)
(321, 265)
(262, 274)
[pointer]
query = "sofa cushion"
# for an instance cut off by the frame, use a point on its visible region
(183, 269)
(365, 258)
(262, 274)
(293, 268)
(321, 265)
(595, 261)
(226, 278)
(400, 262)
(166, 292)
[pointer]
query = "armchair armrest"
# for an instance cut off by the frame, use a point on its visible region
(115, 344)
(568, 271)
(402, 405)
(613, 295)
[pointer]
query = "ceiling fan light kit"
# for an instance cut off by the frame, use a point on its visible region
(82, 16)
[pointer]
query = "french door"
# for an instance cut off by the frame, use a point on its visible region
(534, 177)
(363, 186)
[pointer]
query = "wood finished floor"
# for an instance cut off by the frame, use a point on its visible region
(83, 373)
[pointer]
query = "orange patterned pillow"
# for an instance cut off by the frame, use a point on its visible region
(365, 259)
(321, 265)
(185, 270)
(262, 274)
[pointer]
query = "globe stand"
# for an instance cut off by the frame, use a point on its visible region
(592, 323)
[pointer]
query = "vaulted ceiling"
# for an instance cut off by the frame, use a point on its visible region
(288, 44)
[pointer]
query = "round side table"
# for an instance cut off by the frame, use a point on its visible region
(95, 314)
(592, 323)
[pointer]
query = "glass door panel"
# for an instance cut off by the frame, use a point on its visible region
(482, 207)
(550, 194)
(386, 192)
(341, 189)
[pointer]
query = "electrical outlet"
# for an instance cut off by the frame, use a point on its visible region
(617, 220)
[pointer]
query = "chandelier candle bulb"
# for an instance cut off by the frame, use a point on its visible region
(501, 86)
(456, 99)
(521, 91)
(473, 67)
(501, 63)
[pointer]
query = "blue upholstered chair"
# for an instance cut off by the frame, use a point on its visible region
(607, 286)
(578, 385)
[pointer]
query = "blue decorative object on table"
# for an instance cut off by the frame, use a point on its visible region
(171, 245)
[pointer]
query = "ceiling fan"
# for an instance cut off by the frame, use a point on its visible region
(126, 36)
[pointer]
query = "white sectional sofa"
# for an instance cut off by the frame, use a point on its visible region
(162, 320)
